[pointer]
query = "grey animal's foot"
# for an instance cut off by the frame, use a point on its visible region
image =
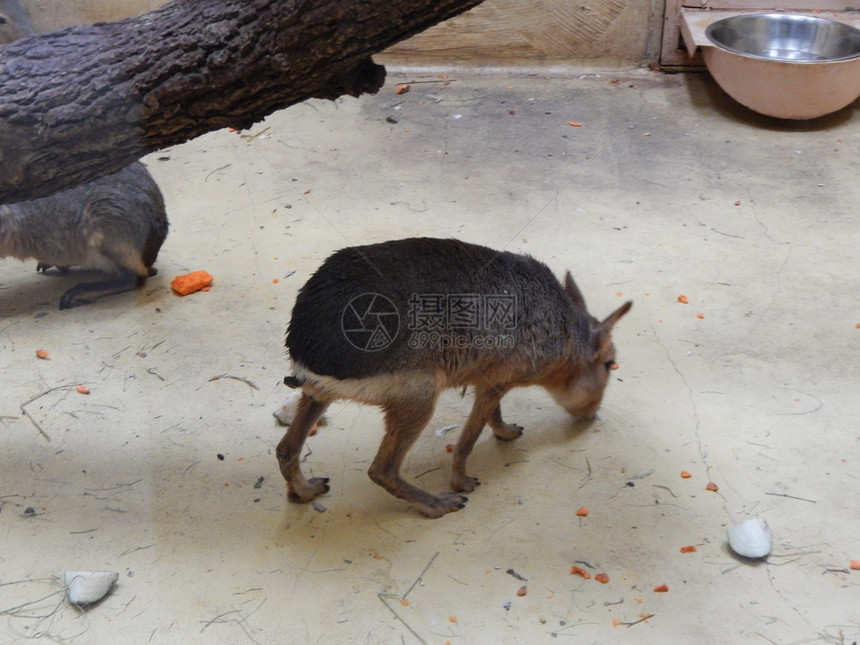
(315, 486)
(464, 484)
(42, 267)
(435, 506)
(507, 431)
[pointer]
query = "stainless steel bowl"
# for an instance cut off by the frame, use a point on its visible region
(788, 37)
(785, 65)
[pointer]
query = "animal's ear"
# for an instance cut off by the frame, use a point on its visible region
(615, 316)
(573, 292)
(601, 331)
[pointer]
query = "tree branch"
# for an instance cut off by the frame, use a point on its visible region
(82, 102)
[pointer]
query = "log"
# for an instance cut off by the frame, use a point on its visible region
(82, 102)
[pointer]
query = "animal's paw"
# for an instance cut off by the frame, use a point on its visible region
(76, 296)
(42, 267)
(508, 431)
(315, 486)
(442, 504)
(464, 484)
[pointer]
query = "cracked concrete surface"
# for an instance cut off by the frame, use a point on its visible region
(166, 471)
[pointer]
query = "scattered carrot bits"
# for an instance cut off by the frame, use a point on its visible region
(582, 512)
(449, 447)
(685, 475)
(577, 571)
(700, 316)
(683, 299)
(712, 487)
(616, 622)
(688, 549)
(82, 389)
(402, 89)
(602, 578)
(42, 353)
(404, 602)
(614, 366)
(661, 588)
(854, 565)
(452, 619)
(574, 124)
(522, 591)
(191, 282)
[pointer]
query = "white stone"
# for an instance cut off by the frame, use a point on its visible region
(751, 538)
(85, 587)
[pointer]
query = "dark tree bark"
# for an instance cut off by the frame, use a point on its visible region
(81, 102)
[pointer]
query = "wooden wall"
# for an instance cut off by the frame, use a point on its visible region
(495, 32)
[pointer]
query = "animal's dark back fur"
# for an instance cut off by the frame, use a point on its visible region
(545, 321)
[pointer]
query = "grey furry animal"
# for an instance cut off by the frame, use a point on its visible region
(396, 323)
(14, 21)
(116, 224)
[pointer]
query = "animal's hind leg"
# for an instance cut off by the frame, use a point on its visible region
(300, 489)
(129, 273)
(404, 421)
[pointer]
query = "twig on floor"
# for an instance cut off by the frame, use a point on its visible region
(35, 423)
(636, 622)
(420, 575)
(38, 396)
(382, 597)
(241, 379)
(801, 499)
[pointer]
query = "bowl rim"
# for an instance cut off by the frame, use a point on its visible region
(794, 16)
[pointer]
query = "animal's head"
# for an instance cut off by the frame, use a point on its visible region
(14, 22)
(582, 391)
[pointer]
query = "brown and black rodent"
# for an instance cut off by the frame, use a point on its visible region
(396, 323)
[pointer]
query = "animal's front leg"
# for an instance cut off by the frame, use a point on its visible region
(502, 430)
(486, 401)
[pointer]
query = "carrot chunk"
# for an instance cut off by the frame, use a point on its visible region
(191, 282)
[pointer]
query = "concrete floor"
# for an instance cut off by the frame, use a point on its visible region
(166, 472)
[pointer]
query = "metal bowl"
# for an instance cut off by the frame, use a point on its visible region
(788, 37)
(785, 65)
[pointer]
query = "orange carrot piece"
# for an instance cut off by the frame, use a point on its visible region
(522, 591)
(42, 353)
(82, 389)
(854, 565)
(683, 299)
(661, 588)
(582, 512)
(712, 487)
(191, 282)
(688, 549)
(602, 578)
(577, 571)
(685, 475)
